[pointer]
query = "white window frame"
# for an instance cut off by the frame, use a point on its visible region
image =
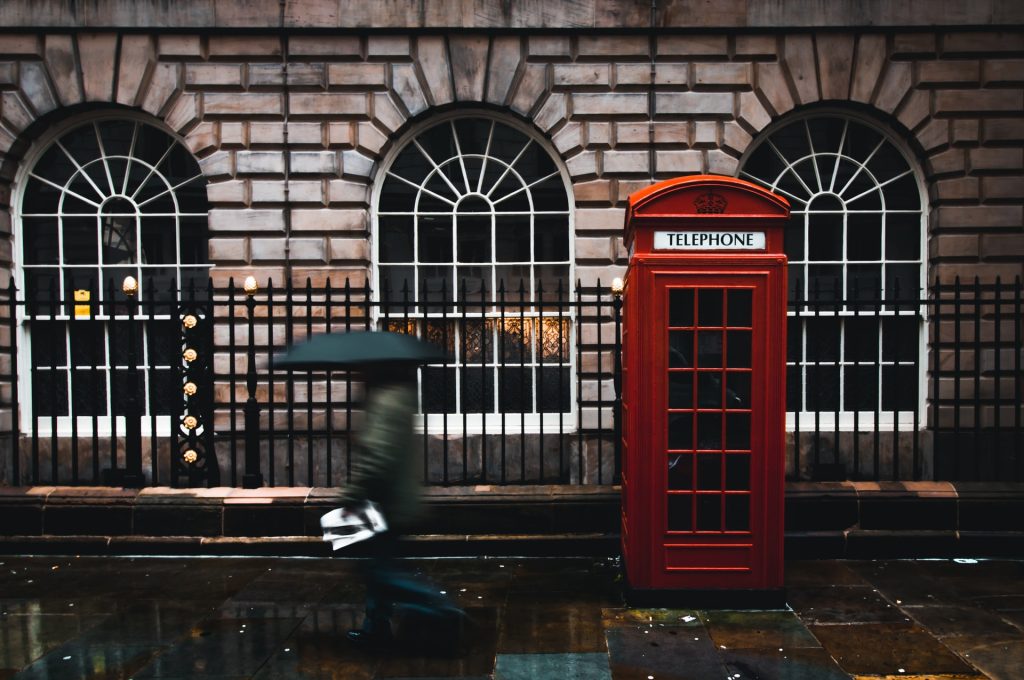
(105, 424)
(826, 420)
(476, 422)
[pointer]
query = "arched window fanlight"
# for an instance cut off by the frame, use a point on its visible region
(473, 251)
(856, 259)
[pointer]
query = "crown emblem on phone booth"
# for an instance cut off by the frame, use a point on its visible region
(710, 203)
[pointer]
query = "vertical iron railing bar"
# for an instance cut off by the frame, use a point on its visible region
(579, 381)
(801, 371)
(309, 387)
(444, 371)
(54, 302)
(98, 359)
(599, 314)
(561, 378)
(617, 381)
(897, 389)
(289, 339)
(462, 368)
(487, 339)
(538, 348)
(817, 374)
(71, 406)
(502, 381)
(855, 396)
(522, 380)
(840, 323)
(878, 381)
(232, 380)
(997, 340)
(957, 320)
(12, 327)
(978, 308)
(271, 401)
(1018, 435)
(328, 391)
(348, 375)
(114, 391)
(1018, 350)
(935, 348)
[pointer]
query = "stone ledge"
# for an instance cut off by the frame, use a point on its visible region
(823, 520)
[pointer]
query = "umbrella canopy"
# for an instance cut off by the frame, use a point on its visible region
(358, 348)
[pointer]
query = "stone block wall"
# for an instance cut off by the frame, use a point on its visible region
(291, 130)
(292, 127)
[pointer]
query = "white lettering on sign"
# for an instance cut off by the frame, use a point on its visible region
(709, 240)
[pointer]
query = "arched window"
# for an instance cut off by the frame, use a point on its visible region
(107, 199)
(473, 253)
(855, 248)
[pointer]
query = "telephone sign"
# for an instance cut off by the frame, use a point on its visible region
(704, 390)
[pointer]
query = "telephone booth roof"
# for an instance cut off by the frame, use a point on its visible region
(713, 200)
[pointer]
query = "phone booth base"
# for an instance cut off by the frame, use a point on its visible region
(703, 399)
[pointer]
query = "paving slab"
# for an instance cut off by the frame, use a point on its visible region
(531, 618)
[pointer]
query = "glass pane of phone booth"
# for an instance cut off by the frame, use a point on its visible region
(708, 417)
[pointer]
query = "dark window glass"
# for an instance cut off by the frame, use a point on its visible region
(680, 431)
(709, 471)
(709, 512)
(680, 349)
(680, 512)
(680, 307)
(709, 431)
(680, 389)
(709, 307)
(737, 512)
(680, 472)
(737, 472)
(740, 307)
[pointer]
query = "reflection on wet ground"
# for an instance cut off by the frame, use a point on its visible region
(531, 619)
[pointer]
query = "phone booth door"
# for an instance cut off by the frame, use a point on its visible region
(707, 427)
(703, 400)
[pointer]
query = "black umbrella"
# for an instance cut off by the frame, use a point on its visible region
(358, 348)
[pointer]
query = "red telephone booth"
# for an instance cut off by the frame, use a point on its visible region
(703, 398)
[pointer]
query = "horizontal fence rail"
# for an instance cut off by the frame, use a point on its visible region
(180, 388)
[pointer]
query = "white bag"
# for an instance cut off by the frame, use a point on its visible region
(345, 526)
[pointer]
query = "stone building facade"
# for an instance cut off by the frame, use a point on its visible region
(294, 112)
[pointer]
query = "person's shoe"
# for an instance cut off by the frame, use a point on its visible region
(369, 640)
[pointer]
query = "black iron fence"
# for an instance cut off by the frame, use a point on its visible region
(180, 388)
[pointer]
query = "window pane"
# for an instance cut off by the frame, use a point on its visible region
(158, 240)
(680, 431)
(477, 341)
(438, 391)
(709, 349)
(680, 349)
(864, 236)
(680, 472)
(512, 238)
(861, 339)
(553, 341)
(435, 238)
(899, 338)
(737, 472)
(825, 234)
(396, 239)
(551, 237)
(680, 389)
(709, 307)
(515, 390)
(680, 512)
(737, 389)
(737, 512)
(739, 349)
(89, 391)
(709, 512)
(553, 389)
(709, 389)
(903, 236)
(473, 238)
(709, 471)
(899, 388)
(709, 430)
(737, 431)
(794, 236)
(40, 238)
(680, 307)
(740, 307)
(823, 339)
(861, 388)
(477, 390)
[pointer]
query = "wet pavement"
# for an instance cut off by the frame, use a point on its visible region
(531, 619)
